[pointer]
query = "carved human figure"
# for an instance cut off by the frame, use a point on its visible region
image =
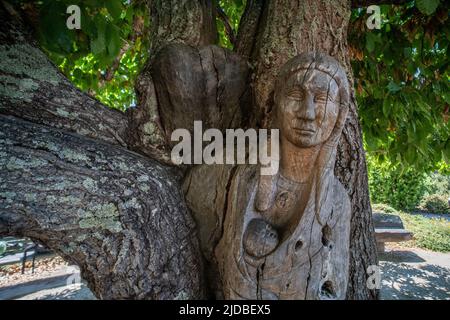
(286, 236)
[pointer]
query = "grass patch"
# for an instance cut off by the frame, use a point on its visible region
(432, 234)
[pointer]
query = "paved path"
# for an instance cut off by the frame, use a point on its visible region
(70, 292)
(415, 274)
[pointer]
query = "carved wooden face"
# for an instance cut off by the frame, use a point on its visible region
(308, 108)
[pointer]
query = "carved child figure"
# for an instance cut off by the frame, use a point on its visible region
(286, 236)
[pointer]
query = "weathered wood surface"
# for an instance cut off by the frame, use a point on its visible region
(287, 236)
(283, 29)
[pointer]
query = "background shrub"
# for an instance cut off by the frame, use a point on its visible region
(437, 183)
(435, 203)
(402, 189)
(383, 208)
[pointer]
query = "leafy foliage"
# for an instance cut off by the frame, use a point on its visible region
(233, 9)
(435, 203)
(402, 189)
(105, 56)
(437, 183)
(402, 83)
(427, 7)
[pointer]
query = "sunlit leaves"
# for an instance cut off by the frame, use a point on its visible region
(107, 42)
(402, 82)
(233, 9)
(427, 7)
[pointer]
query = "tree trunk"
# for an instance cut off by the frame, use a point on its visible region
(284, 29)
(142, 241)
(272, 32)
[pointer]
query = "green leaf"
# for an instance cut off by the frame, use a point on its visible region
(370, 43)
(427, 7)
(114, 8)
(57, 36)
(386, 106)
(393, 87)
(98, 44)
(113, 41)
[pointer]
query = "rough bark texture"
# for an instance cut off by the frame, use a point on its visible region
(285, 29)
(117, 215)
(190, 22)
(248, 26)
(271, 32)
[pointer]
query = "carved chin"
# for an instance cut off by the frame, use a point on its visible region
(303, 139)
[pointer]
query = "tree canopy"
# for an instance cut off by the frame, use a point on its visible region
(401, 70)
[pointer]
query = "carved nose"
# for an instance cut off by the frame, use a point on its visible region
(306, 108)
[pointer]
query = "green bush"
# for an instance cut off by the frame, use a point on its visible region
(432, 234)
(437, 183)
(401, 189)
(435, 203)
(384, 208)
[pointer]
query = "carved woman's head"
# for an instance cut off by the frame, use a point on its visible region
(308, 94)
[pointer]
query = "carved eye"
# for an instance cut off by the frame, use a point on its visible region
(295, 95)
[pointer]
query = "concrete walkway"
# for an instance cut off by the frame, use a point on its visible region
(414, 274)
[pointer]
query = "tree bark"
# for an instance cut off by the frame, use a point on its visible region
(188, 22)
(191, 22)
(271, 32)
(118, 215)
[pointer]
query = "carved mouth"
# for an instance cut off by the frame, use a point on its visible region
(305, 131)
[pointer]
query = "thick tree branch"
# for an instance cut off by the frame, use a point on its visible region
(119, 216)
(32, 88)
(188, 22)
